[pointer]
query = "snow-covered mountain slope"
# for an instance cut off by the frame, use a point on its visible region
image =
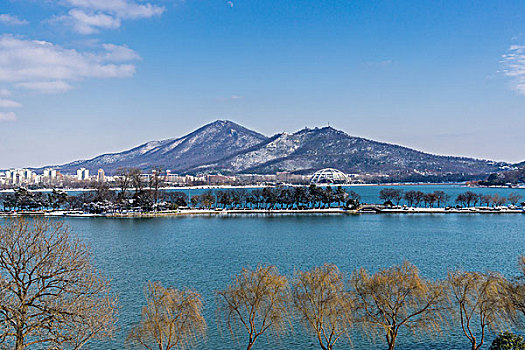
(211, 142)
(226, 147)
(312, 149)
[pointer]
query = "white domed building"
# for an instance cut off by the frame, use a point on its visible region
(329, 176)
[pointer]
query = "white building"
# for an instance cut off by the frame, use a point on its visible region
(82, 174)
(20, 176)
(50, 174)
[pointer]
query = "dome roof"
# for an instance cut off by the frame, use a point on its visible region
(330, 176)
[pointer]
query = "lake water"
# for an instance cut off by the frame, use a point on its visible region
(204, 252)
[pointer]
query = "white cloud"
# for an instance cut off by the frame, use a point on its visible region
(120, 8)
(8, 19)
(85, 23)
(119, 53)
(43, 66)
(7, 116)
(513, 63)
(9, 104)
(46, 87)
(90, 16)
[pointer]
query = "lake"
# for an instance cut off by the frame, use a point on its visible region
(204, 252)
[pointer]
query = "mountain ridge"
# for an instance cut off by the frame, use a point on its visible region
(302, 150)
(227, 147)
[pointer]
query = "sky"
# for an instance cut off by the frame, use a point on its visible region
(79, 78)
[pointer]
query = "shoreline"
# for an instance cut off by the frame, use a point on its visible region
(226, 187)
(264, 212)
(231, 187)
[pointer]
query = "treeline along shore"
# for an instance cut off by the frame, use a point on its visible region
(136, 200)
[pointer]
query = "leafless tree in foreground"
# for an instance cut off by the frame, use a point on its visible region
(480, 303)
(397, 298)
(320, 298)
(515, 296)
(172, 319)
(50, 294)
(255, 302)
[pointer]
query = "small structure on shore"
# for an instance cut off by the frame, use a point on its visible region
(329, 176)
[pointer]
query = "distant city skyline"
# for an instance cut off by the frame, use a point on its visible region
(79, 78)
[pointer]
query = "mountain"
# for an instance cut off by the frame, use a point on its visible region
(226, 147)
(311, 149)
(209, 143)
(511, 175)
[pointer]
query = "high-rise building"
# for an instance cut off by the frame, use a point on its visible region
(50, 174)
(101, 176)
(20, 176)
(82, 174)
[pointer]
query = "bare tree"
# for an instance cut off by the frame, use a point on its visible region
(156, 181)
(461, 199)
(498, 201)
(514, 198)
(418, 197)
(441, 197)
(102, 191)
(410, 197)
(123, 182)
(397, 298)
(172, 319)
(136, 180)
(50, 294)
(325, 306)
(429, 199)
(480, 303)
(486, 199)
(515, 293)
(471, 198)
(255, 302)
(391, 195)
(415, 197)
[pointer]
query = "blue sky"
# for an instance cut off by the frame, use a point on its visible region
(83, 77)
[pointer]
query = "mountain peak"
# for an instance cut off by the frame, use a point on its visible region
(222, 122)
(322, 130)
(210, 142)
